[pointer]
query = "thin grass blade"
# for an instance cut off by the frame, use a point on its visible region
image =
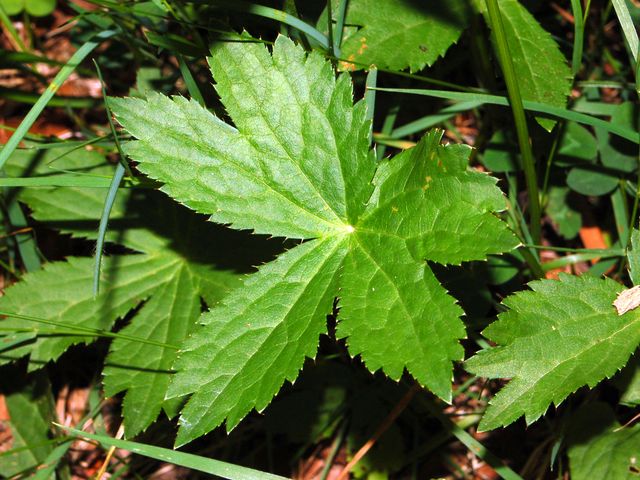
(537, 107)
(188, 460)
(48, 94)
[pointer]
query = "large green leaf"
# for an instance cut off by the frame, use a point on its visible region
(285, 160)
(299, 164)
(397, 34)
(541, 69)
(182, 260)
(559, 336)
(598, 447)
(426, 205)
(258, 338)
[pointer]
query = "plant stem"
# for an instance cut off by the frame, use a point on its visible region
(383, 427)
(519, 118)
(370, 97)
(332, 45)
(339, 28)
(578, 36)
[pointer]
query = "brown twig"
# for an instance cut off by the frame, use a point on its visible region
(110, 452)
(384, 425)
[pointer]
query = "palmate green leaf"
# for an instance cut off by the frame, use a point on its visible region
(426, 205)
(254, 186)
(299, 164)
(278, 317)
(541, 69)
(554, 339)
(175, 269)
(397, 34)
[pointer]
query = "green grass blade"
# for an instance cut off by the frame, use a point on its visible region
(429, 121)
(48, 468)
(189, 81)
(104, 219)
(25, 242)
(537, 107)
(63, 180)
(48, 94)
(277, 15)
(188, 460)
(570, 260)
(8, 24)
(7, 342)
(522, 131)
(602, 252)
(387, 129)
(628, 28)
(332, 45)
(86, 330)
(370, 97)
(620, 212)
(32, 98)
(338, 31)
(121, 169)
(468, 441)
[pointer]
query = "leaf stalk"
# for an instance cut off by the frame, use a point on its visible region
(517, 108)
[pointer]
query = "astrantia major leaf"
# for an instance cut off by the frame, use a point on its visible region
(297, 163)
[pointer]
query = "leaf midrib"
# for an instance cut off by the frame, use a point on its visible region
(395, 287)
(288, 153)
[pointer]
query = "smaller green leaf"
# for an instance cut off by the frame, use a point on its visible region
(559, 336)
(599, 448)
(72, 302)
(633, 257)
(628, 383)
(144, 370)
(30, 405)
(427, 205)
(501, 154)
(257, 338)
(299, 150)
(39, 8)
(501, 269)
(561, 210)
(616, 152)
(387, 294)
(397, 34)
(467, 284)
(12, 7)
(591, 181)
(577, 143)
(579, 149)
